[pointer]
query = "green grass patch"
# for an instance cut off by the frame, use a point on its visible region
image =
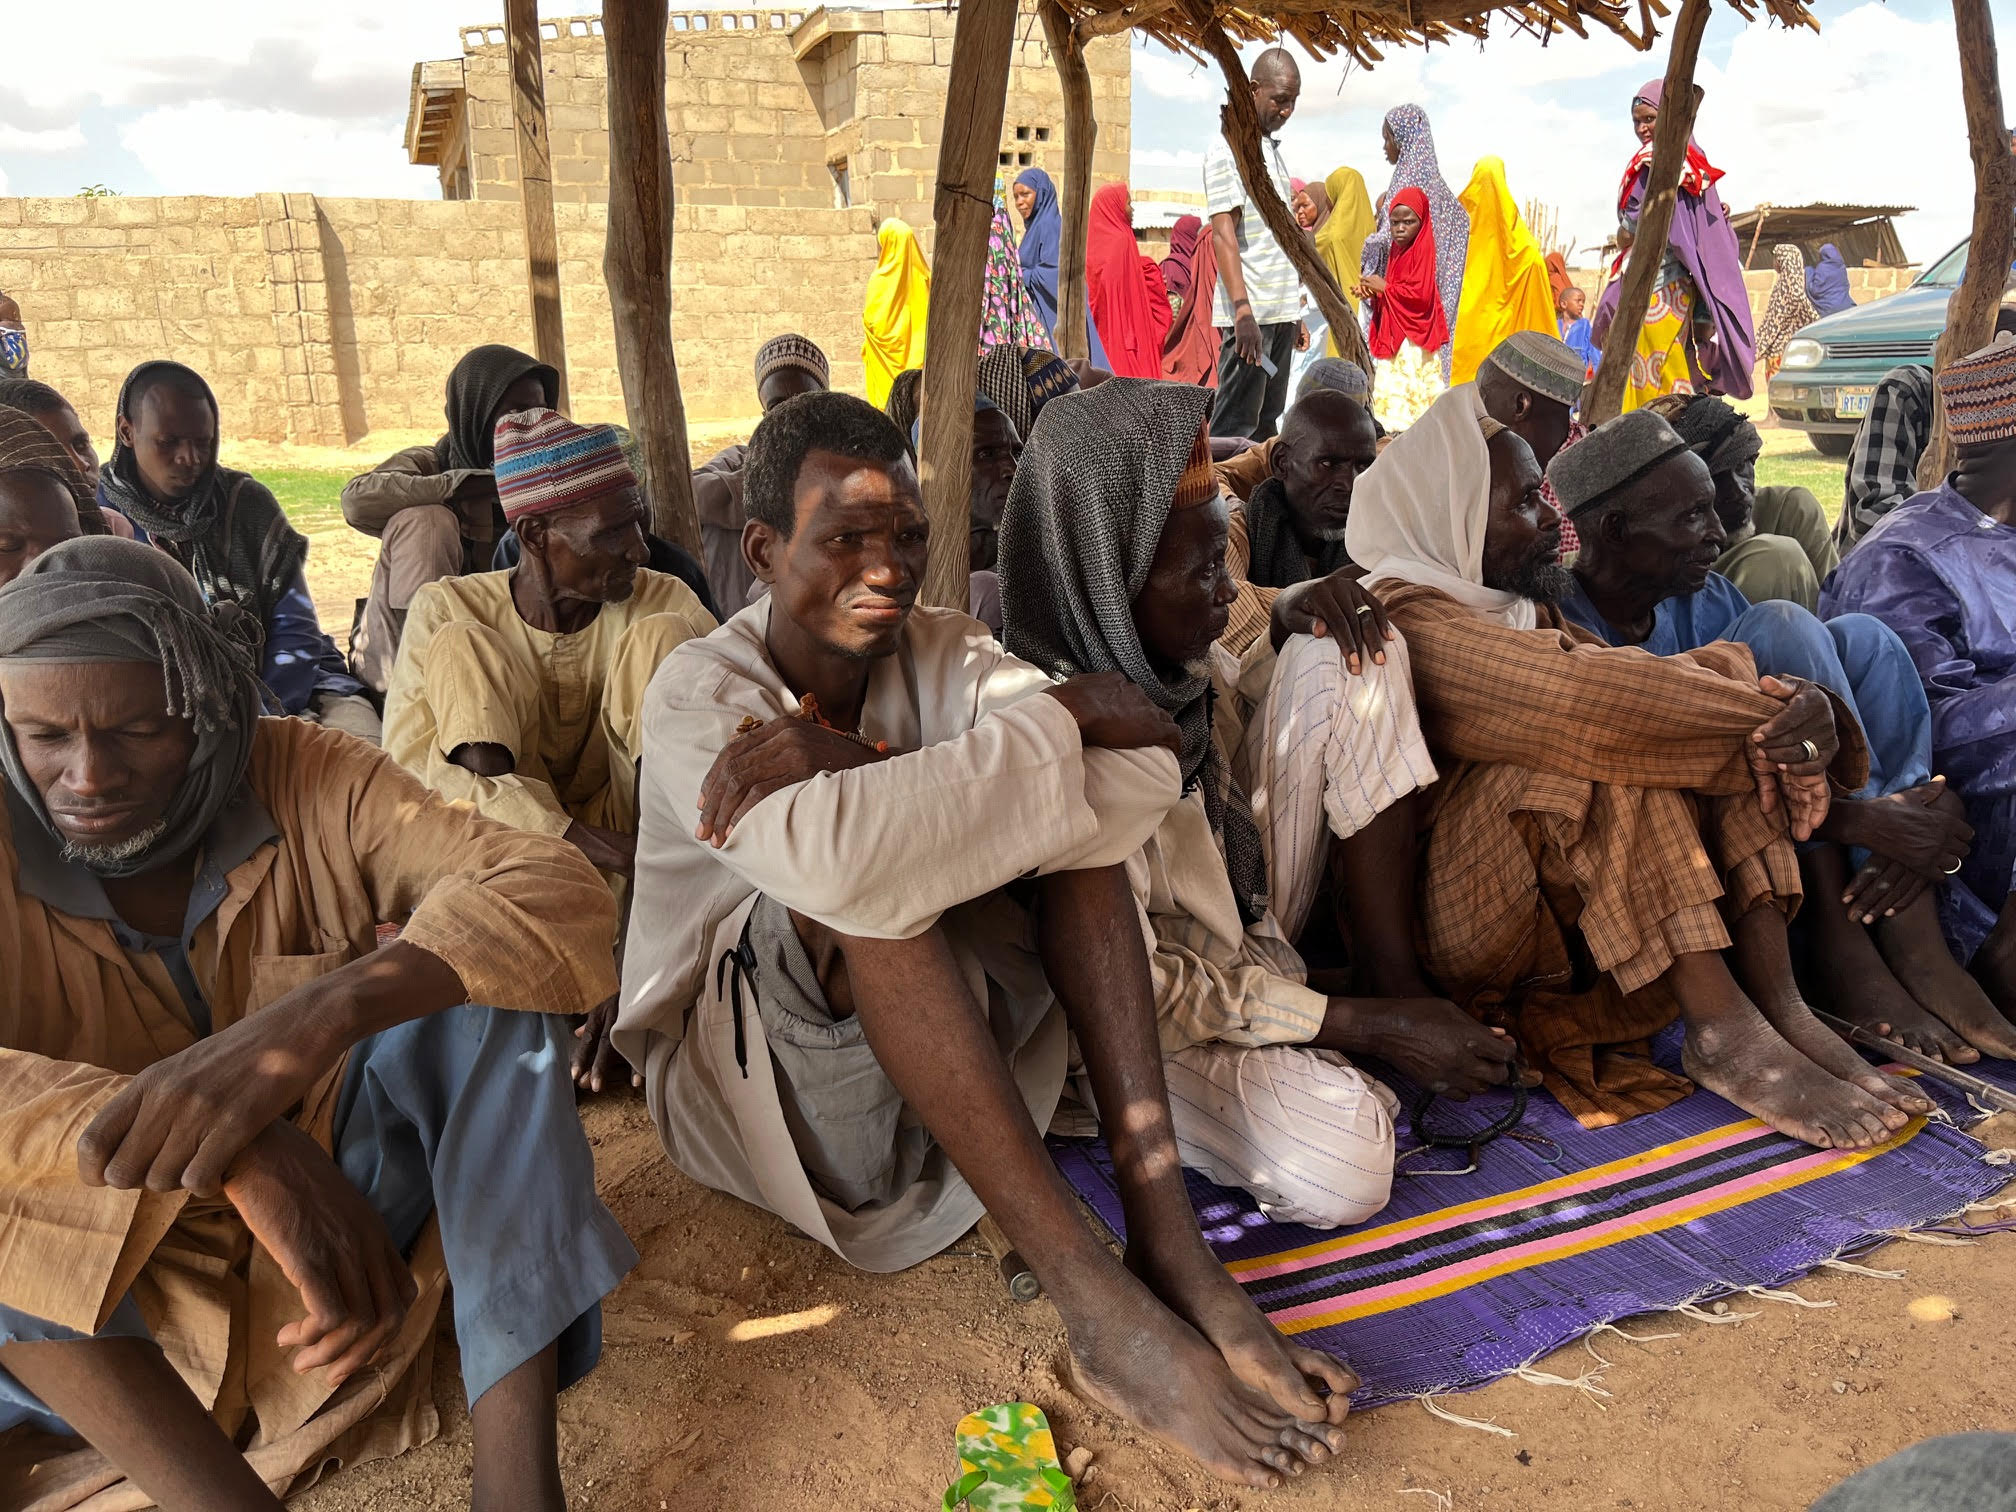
(312, 497)
(1824, 475)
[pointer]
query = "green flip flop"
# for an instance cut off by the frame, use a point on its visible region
(1008, 1463)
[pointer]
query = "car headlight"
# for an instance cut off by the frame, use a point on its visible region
(1802, 353)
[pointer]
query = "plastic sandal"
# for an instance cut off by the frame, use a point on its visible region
(1008, 1463)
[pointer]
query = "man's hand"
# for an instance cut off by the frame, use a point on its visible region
(1915, 837)
(1301, 337)
(780, 754)
(596, 1061)
(181, 1123)
(1778, 752)
(329, 1243)
(606, 849)
(1246, 339)
(1114, 714)
(1337, 605)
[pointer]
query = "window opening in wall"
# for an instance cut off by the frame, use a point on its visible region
(1042, 133)
(678, 23)
(1021, 133)
(1007, 160)
(699, 23)
(843, 193)
(1024, 158)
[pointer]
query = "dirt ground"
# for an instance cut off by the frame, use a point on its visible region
(748, 1368)
(745, 1367)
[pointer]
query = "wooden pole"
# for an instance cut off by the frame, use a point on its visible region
(1240, 122)
(1662, 193)
(1081, 132)
(637, 261)
(535, 184)
(976, 98)
(1970, 316)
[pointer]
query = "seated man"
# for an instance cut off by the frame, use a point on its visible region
(54, 413)
(997, 447)
(786, 366)
(43, 501)
(1940, 570)
(194, 983)
(434, 508)
(229, 533)
(875, 855)
(1779, 543)
(1644, 578)
(519, 692)
(1883, 461)
(1607, 823)
(1261, 1094)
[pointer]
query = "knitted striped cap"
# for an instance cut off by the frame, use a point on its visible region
(1198, 484)
(1979, 391)
(547, 462)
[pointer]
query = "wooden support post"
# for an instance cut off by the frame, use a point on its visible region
(637, 261)
(1081, 132)
(1655, 220)
(1970, 316)
(976, 97)
(1240, 122)
(535, 184)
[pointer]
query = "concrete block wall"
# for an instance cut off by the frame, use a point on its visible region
(320, 320)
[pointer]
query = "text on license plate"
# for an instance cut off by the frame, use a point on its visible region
(1853, 403)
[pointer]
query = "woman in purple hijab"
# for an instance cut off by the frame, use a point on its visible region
(1701, 275)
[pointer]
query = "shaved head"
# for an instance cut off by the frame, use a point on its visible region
(1277, 84)
(1276, 63)
(1326, 441)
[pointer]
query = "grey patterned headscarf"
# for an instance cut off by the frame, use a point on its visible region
(106, 599)
(1078, 535)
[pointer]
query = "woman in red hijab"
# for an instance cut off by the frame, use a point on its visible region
(1129, 303)
(1190, 273)
(1409, 325)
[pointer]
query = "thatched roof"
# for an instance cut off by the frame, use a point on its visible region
(1365, 31)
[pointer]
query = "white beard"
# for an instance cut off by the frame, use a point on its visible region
(1332, 533)
(119, 852)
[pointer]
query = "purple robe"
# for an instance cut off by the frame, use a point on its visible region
(1943, 575)
(1705, 245)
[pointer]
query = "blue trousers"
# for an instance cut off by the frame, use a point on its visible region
(1859, 659)
(468, 1114)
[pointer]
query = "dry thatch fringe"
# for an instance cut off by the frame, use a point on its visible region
(1366, 31)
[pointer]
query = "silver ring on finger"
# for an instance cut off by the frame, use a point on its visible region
(1812, 751)
(1364, 609)
(1955, 867)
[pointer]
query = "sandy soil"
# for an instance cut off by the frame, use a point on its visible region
(746, 1367)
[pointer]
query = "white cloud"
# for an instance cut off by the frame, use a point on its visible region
(1176, 161)
(184, 148)
(59, 139)
(1169, 77)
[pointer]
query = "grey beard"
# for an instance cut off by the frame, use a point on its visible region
(1332, 532)
(1543, 582)
(1198, 666)
(119, 852)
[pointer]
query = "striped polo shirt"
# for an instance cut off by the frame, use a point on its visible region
(1273, 287)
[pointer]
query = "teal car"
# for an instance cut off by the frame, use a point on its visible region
(1832, 366)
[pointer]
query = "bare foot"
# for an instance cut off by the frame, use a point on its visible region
(1854, 981)
(1429, 1040)
(1916, 950)
(1304, 1383)
(1739, 1056)
(1834, 1055)
(1135, 1358)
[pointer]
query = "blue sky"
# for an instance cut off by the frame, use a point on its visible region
(237, 96)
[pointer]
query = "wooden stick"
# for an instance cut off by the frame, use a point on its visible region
(1655, 220)
(1970, 316)
(535, 184)
(1081, 133)
(976, 98)
(1240, 122)
(1016, 1275)
(637, 261)
(1763, 214)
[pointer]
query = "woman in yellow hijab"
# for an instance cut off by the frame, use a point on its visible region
(1340, 239)
(899, 294)
(1505, 284)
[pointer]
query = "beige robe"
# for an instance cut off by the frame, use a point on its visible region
(992, 784)
(521, 918)
(471, 670)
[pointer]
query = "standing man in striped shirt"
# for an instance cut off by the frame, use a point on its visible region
(1259, 301)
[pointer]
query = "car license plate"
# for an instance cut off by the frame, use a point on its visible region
(1853, 403)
